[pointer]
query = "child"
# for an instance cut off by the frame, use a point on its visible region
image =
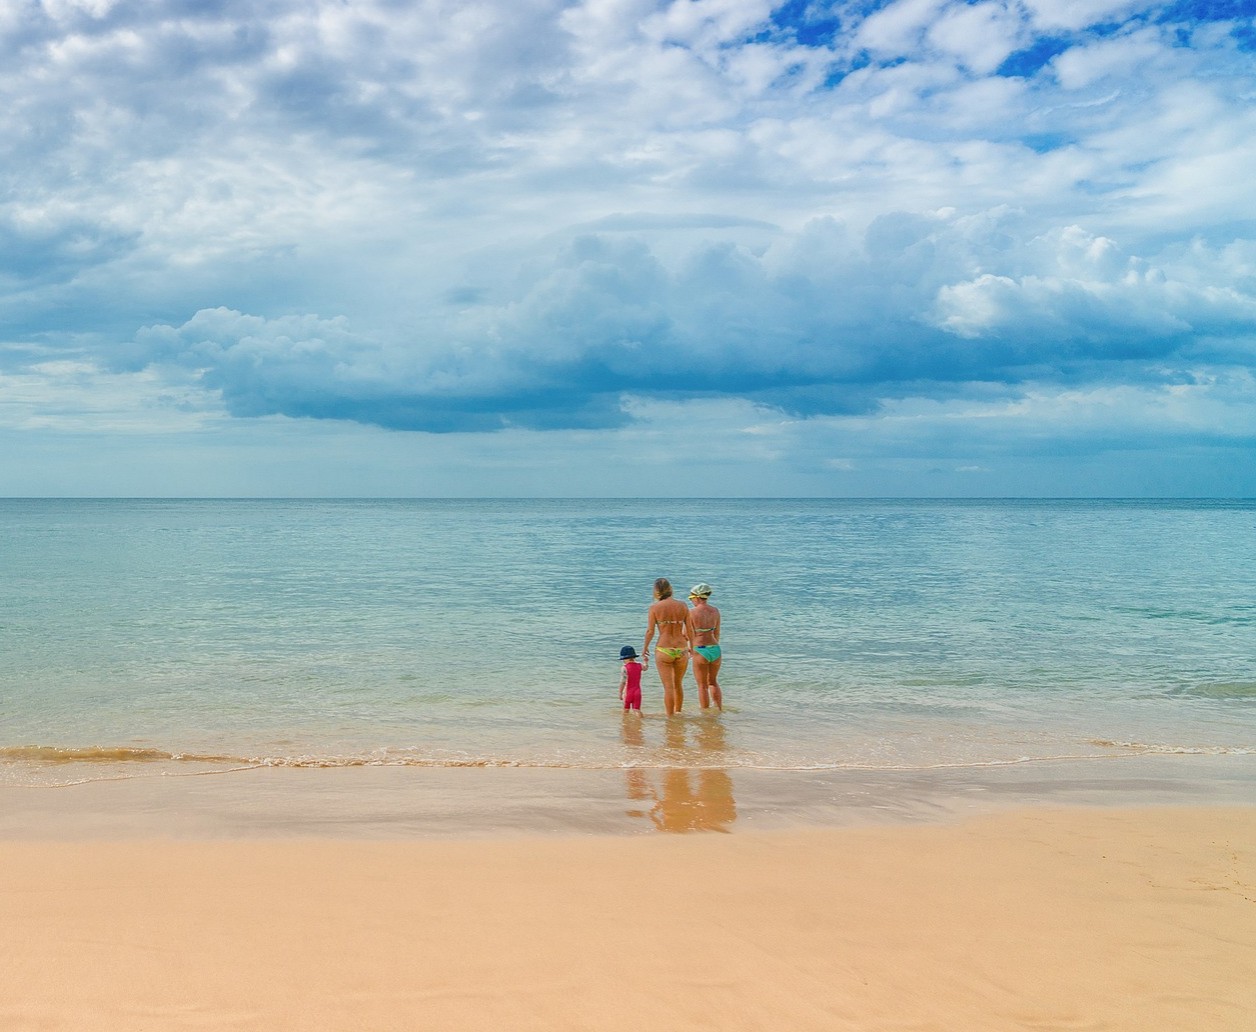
(630, 680)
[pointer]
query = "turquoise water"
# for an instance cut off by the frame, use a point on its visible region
(179, 635)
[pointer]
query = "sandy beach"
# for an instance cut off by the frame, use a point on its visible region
(1131, 918)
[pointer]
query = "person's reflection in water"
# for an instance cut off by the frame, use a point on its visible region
(715, 785)
(636, 781)
(684, 798)
(633, 732)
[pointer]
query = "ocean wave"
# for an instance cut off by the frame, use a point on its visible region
(50, 754)
(1160, 749)
(109, 755)
(665, 760)
(1224, 690)
(47, 765)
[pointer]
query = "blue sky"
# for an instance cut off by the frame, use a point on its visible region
(628, 247)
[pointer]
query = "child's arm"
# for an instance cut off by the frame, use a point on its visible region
(623, 683)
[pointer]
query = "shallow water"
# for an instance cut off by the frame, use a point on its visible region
(173, 635)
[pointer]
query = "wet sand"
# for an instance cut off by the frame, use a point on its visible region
(139, 801)
(1038, 897)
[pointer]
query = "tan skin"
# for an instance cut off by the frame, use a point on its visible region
(704, 629)
(670, 618)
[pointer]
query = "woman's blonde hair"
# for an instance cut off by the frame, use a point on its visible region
(663, 588)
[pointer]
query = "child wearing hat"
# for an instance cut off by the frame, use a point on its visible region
(630, 679)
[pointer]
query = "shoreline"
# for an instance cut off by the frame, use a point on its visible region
(383, 802)
(1125, 919)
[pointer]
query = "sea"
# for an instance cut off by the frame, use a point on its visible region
(141, 638)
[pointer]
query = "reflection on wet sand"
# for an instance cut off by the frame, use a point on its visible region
(682, 798)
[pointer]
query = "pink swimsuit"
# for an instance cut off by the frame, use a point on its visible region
(632, 690)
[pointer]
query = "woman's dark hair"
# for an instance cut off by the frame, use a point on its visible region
(663, 588)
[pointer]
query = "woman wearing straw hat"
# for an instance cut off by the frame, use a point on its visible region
(704, 634)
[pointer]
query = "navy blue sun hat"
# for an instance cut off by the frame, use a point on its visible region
(627, 652)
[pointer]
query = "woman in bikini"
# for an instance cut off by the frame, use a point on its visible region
(670, 617)
(704, 634)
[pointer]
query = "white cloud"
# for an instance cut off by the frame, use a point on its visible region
(705, 24)
(473, 215)
(64, 10)
(981, 36)
(1128, 57)
(1077, 14)
(896, 29)
(79, 397)
(1087, 289)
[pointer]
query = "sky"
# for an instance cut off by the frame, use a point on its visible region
(669, 248)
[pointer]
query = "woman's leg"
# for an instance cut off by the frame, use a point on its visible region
(663, 664)
(713, 684)
(671, 674)
(702, 674)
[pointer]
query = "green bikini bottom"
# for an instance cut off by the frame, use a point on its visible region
(708, 652)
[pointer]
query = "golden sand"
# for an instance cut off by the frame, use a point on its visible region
(1123, 919)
